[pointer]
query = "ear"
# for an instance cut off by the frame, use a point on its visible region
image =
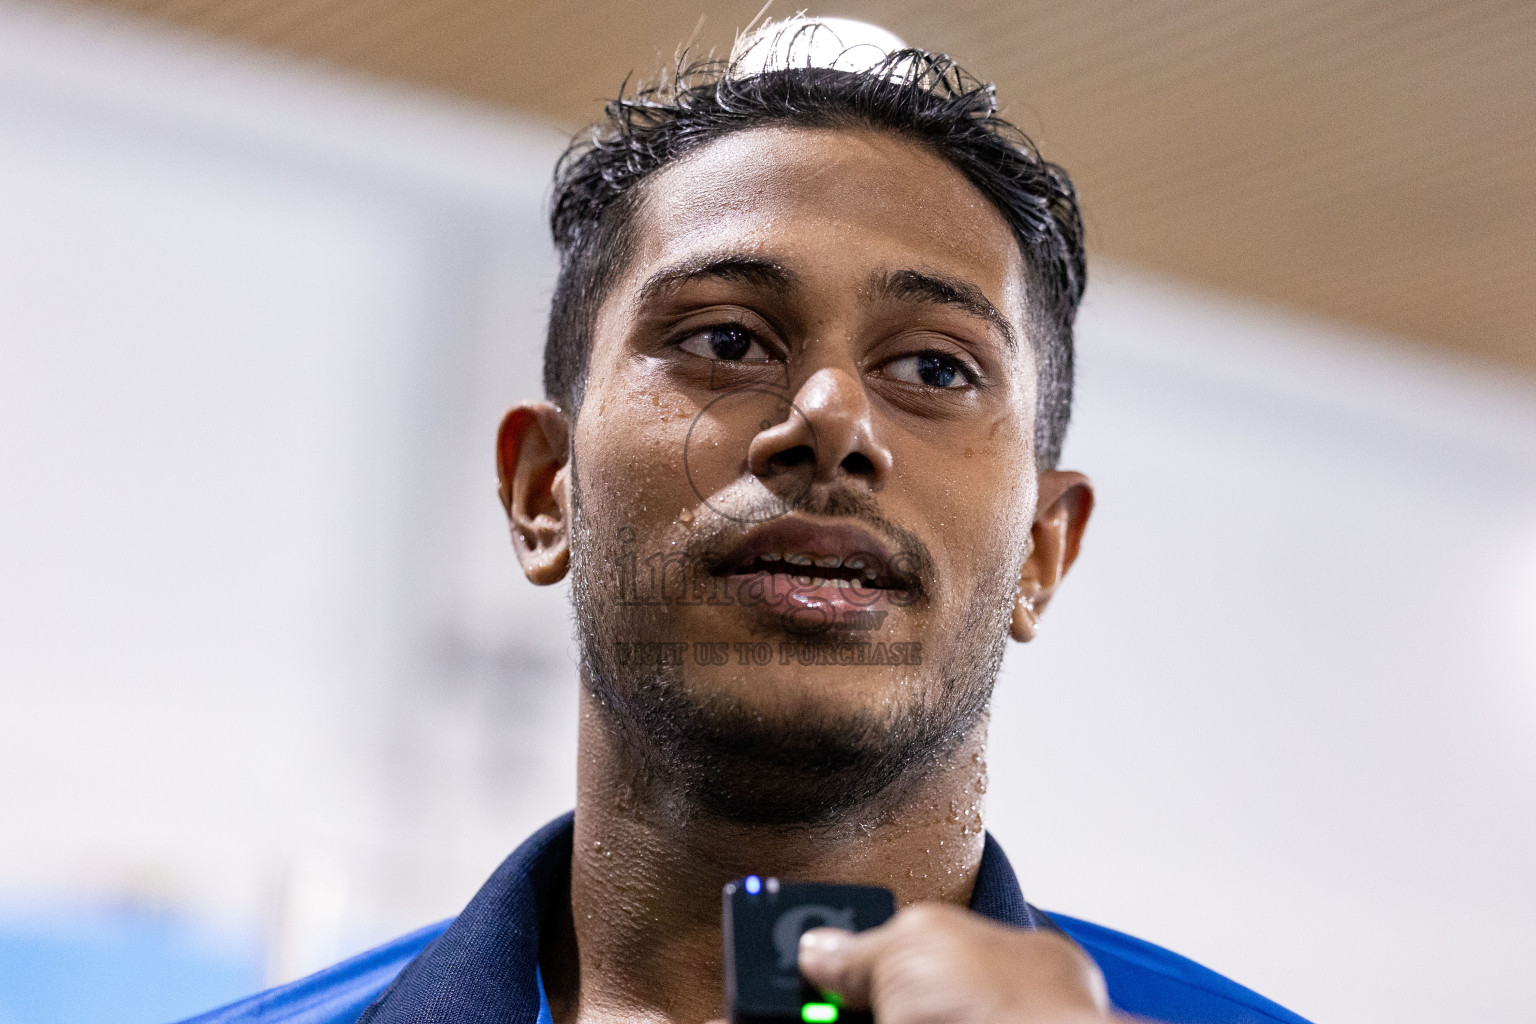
(1061, 516)
(533, 466)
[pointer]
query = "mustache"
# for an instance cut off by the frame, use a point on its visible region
(911, 563)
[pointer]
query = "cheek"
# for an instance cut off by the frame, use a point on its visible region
(628, 448)
(979, 494)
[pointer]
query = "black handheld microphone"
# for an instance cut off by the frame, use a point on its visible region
(762, 921)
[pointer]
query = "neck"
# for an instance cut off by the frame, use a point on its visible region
(643, 939)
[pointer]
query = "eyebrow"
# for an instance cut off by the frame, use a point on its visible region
(755, 270)
(937, 289)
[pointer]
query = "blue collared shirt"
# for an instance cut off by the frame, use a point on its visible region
(482, 966)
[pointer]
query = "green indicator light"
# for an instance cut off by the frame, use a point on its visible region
(818, 1013)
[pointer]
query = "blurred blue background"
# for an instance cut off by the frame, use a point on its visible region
(85, 965)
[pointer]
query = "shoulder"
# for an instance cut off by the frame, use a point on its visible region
(1151, 981)
(336, 995)
(1143, 979)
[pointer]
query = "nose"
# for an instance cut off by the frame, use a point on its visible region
(830, 430)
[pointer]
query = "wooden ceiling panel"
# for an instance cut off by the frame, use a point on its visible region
(1370, 161)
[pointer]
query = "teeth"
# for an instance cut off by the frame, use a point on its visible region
(800, 558)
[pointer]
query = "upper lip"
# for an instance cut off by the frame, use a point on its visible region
(841, 550)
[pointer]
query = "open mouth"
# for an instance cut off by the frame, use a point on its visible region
(810, 555)
(815, 570)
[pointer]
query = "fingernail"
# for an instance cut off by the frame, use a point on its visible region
(823, 944)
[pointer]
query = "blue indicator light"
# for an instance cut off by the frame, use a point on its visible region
(754, 885)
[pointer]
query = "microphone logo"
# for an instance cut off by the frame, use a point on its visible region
(797, 921)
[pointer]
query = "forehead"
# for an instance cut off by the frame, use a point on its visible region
(833, 204)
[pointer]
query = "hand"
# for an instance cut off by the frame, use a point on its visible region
(937, 964)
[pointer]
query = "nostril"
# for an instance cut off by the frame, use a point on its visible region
(858, 464)
(790, 458)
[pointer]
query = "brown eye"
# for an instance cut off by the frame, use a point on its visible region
(931, 369)
(726, 342)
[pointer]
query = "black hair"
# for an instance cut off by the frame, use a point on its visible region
(917, 95)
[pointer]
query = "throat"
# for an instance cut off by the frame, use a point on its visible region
(642, 939)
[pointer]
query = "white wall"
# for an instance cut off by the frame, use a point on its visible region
(1282, 718)
(256, 329)
(265, 656)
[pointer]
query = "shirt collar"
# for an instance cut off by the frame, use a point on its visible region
(483, 969)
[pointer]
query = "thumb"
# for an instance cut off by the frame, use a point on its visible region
(839, 961)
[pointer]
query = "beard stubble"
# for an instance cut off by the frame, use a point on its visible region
(694, 752)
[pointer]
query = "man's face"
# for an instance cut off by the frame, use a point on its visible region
(803, 467)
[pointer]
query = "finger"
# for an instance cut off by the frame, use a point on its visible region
(839, 961)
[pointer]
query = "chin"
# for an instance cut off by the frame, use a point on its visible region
(791, 696)
(809, 762)
(783, 746)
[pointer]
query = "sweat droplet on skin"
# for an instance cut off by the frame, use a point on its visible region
(685, 516)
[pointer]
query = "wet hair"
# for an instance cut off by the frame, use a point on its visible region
(911, 94)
